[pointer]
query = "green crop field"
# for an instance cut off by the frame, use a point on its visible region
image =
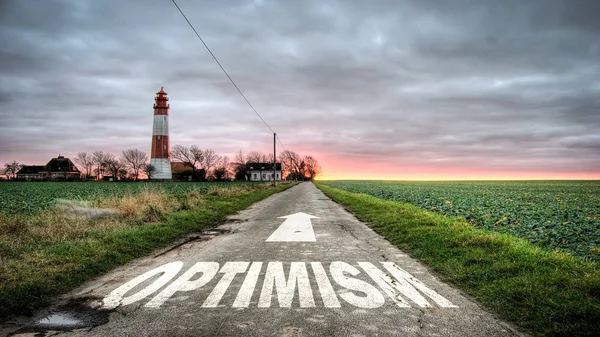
(27, 198)
(556, 215)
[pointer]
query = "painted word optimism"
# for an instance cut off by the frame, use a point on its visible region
(401, 287)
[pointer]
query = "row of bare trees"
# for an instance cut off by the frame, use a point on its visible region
(294, 166)
(299, 167)
(130, 165)
(204, 164)
(99, 163)
(200, 164)
(208, 165)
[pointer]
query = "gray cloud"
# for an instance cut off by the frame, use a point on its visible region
(490, 85)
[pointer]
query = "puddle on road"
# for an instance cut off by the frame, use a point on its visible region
(69, 317)
(215, 231)
(59, 320)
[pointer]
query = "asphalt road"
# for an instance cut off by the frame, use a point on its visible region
(318, 272)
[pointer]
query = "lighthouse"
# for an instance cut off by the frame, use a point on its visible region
(159, 154)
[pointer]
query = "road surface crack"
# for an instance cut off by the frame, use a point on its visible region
(351, 232)
(190, 239)
(420, 322)
(366, 240)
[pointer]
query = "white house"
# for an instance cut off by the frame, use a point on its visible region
(262, 171)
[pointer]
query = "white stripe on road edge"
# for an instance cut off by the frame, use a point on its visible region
(396, 283)
(296, 227)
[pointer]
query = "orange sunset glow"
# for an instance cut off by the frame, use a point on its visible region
(343, 170)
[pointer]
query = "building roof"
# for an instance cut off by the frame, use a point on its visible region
(61, 164)
(263, 166)
(31, 169)
(179, 166)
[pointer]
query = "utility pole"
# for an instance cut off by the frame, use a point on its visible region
(274, 159)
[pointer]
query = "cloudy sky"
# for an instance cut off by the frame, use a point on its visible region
(392, 89)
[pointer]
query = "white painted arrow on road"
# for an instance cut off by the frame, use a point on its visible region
(296, 227)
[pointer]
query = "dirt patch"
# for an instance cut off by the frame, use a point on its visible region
(81, 209)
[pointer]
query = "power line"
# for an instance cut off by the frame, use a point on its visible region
(219, 63)
(281, 143)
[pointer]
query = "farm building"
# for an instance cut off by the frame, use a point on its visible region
(59, 168)
(30, 172)
(181, 171)
(262, 171)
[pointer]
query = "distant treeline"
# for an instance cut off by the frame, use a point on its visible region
(189, 164)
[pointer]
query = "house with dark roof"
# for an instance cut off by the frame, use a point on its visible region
(30, 172)
(263, 171)
(59, 168)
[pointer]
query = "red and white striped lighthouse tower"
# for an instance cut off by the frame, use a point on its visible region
(160, 152)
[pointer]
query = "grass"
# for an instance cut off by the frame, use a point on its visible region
(547, 293)
(19, 198)
(51, 252)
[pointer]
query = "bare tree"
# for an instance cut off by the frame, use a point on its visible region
(292, 162)
(108, 157)
(134, 159)
(239, 158)
(239, 165)
(197, 153)
(210, 159)
(99, 159)
(11, 169)
(255, 157)
(192, 156)
(149, 170)
(221, 171)
(122, 173)
(113, 166)
(311, 167)
(226, 165)
(182, 153)
(86, 161)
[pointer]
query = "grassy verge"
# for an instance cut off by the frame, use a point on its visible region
(546, 293)
(52, 252)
